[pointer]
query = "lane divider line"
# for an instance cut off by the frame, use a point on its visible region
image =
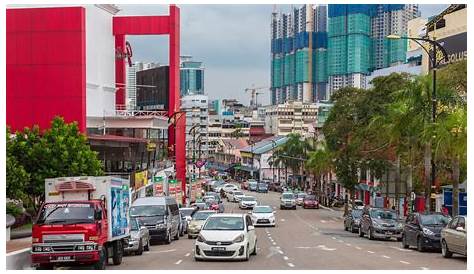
(187, 254)
(386, 257)
(403, 262)
(178, 262)
(285, 258)
(291, 265)
(371, 252)
(358, 247)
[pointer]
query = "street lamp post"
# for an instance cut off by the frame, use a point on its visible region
(433, 58)
(273, 162)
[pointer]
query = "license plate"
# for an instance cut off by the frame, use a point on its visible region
(63, 259)
(218, 248)
(389, 233)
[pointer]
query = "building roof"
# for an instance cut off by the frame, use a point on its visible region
(265, 145)
(116, 138)
(236, 143)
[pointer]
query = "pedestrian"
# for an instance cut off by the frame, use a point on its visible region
(444, 210)
(221, 207)
(393, 207)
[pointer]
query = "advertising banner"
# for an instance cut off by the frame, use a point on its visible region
(141, 179)
(158, 185)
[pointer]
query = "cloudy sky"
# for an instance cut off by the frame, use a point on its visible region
(233, 42)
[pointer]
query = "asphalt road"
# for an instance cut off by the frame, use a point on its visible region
(303, 239)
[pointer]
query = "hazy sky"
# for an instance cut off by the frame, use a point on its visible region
(233, 42)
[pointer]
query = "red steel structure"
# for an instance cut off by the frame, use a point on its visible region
(46, 68)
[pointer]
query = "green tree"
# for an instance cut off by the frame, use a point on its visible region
(16, 175)
(319, 163)
(60, 151)
(293, 154)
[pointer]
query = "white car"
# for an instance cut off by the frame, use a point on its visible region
(235, 196)
(247, 202)
(229, 187)
(263, 215)
(226, 236)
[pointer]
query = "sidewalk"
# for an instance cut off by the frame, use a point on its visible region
(18, 244)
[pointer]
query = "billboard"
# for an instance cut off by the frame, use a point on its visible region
(456, 49)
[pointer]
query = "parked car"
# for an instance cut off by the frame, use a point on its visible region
(352, 220)
(253, 185)
(247, 202)
(262, 187)
(423, 230)
(310, 201)
(209, 198)
(380, 223)
(229, 187)
(139, 238)
(263, 215)
(454, 237)
(288, 200)
(199, 218)
(226, 236)
(275, 186)
(160, 215)
(299, 198)
(235, 196)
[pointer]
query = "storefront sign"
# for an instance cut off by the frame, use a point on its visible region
(456, 49)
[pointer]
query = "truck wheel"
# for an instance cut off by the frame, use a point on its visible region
(140, 249)
(100, 265)
(118, 253)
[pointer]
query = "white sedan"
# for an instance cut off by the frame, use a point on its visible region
(263, 215)
(235, 196)
(226, 236)
(247, 202)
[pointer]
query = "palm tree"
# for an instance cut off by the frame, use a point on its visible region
(319, 163)
(293, 154)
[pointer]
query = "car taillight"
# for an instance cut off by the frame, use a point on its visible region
(35, 240)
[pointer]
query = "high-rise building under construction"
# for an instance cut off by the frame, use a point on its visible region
(357, 41)
(346, 42)
(299, 55)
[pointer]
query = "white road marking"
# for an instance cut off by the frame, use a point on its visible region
(165, 251)
(401, 249)
(187, 254)
(333, 238)
(358, 247)
(348, 244)
(371, 252)
(274, 243)
(291, 265)
(178, 262)
(282, 220)
(335, 219)
(403, 262)
(278, 247)
(386, 257)
(323, 221)
(341, 241)
(424, 268)
(285, 258)
(281, 252)
(323, 247)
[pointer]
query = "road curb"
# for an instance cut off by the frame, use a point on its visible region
(19, 260)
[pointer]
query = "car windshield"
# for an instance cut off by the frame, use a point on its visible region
(434, 219)
(262, 185)
(148, 210)
(301, 195)
(383, 214)
(310, 197)
(224, 223)
(356, 213)
(66, 213)
(288, 196)
(249, 199)
(186, 211)
(238, 193)
(262, 209)
(200, 216)
(134, 224)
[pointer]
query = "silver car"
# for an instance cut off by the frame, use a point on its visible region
(139, 238)
(454, 237)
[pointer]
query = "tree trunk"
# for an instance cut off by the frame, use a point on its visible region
(427, 160)
(397, 183)
(456, 182)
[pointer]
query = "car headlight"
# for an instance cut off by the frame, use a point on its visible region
(200, 238)
(427, 232)
(239, 239)
(161, 225)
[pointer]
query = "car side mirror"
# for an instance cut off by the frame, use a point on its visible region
(250, 228)
(143, 227)
(460, 228)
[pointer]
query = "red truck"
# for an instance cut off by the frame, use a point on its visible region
(84, 221)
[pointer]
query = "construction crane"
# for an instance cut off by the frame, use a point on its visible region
(253, 90)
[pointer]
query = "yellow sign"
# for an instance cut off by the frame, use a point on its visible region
(151, 146)
(141, 179)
